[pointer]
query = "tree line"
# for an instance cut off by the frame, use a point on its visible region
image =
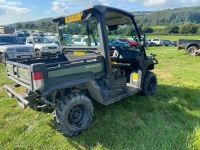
(175, 16)
(42, 26)
(176, 21)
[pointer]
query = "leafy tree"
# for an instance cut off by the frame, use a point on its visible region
(188, 28)
(26, 26)
(147, 29)
(171, 29)
(32, 26)
(18, 26)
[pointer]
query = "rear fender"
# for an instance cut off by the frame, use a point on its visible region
(191, 44)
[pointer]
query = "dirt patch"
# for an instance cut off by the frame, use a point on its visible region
(1, 89)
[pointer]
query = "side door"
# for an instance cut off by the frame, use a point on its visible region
(124, 71)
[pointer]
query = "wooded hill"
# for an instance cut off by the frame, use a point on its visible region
(177, 16)
(165, 17)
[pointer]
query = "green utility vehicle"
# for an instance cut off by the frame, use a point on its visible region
(86, 71)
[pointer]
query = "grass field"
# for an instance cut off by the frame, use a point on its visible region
(169, 120)
(173, 37)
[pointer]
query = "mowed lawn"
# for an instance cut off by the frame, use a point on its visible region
(169, 120)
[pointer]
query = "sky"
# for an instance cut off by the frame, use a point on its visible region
(12, 11)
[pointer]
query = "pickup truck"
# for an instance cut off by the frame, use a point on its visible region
(12, 46)
(189, 45)
(43, 46)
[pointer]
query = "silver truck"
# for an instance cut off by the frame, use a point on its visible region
(12, 46)
(43, 46)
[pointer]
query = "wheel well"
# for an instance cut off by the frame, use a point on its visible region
(197, 46)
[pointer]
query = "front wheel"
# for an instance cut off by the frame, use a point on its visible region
(74, 114)
(38, 53)
(149, 84)
(191, 50)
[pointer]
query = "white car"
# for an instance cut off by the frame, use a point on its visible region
(157, 41)
(43, 46)
(83, 41)
(12, 46)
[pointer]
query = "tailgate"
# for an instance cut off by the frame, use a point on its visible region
(19, 73)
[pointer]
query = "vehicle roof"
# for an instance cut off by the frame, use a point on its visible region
(7, 35)
(100, 8)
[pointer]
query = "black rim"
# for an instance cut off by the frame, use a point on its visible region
(77, 116)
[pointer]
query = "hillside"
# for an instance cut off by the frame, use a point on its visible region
(175, 16)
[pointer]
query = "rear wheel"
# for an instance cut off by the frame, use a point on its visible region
(74, 114)
(149, 84)
(191, 50)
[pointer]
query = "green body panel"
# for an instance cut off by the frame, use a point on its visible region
(23, 73)
(94, 68)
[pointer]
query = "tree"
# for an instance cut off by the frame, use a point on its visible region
(147, 29)
(26, 26)
(18, 26)
(189, 28)
(32, 26)
(171, 29)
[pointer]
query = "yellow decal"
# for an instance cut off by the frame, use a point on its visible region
(113, 62)
(135, 76)
(72, 18)
(80, 53)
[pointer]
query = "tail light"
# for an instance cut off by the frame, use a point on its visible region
(38, 80)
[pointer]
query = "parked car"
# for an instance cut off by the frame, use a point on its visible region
(189, 45)
(53, 39)
(83, 41)
(11, 46)
(148, 42)
(168, 43)
(118, 43)
(21, 35)
(157, 41)
(115, 43)
(43, 46)
(26, 33)
(130, 42)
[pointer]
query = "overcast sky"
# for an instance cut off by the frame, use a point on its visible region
(12, 11)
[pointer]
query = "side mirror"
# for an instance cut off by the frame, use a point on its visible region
(112, 27)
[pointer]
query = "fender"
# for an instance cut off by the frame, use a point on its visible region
(191, 44)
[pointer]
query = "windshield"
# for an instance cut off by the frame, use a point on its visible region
(41, 40)
(9, 40)
(21, 35)
(82, 33)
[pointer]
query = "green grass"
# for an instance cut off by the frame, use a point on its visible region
(173, 37)
(169, 120)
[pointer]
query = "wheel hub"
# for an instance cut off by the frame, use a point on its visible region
(76, 114)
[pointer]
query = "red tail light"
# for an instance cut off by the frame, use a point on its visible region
(37, 75)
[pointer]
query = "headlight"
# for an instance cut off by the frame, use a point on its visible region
(11, 51)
